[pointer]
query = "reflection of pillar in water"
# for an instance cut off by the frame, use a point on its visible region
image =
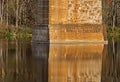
(75, 63)
(40, 53)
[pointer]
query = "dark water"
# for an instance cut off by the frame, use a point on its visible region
(21, 61)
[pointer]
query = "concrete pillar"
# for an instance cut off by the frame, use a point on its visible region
(41, 30)
(61, 21)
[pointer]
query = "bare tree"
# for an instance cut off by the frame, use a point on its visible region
(113, 11)
(17, 12)
(7, 12)
(2, 10)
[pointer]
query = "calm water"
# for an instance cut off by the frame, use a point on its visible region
(22, 62)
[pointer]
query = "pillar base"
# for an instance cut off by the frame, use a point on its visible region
(40, 34)
(77, 33)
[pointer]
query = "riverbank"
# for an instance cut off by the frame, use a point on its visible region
(12, 32)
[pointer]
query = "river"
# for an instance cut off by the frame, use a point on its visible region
(21, 61)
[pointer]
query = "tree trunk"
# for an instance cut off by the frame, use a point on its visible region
(17, 7)
(114, 15)
(7, 13)
(2, 10)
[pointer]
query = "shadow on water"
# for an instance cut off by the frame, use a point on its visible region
(22, 62)
(40, 55)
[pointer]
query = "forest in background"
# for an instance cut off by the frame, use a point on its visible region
(17, 13)
(17, 17)
(111, 13)
(111, 17)
(22, 12)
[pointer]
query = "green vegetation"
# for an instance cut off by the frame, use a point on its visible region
(113, 33)
(15, 33)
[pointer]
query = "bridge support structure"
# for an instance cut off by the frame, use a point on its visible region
(69, 21)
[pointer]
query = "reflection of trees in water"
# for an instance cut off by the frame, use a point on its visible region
(16, 62)
(111, 62)
(19, 64)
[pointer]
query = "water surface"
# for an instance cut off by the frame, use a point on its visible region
(21, 61)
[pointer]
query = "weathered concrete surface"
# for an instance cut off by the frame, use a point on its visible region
(41, 30)
(75, 11)
(69, 21)
(72, 32)
(41, 34)
(76, 20)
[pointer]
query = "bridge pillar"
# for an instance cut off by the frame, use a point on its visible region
(69, 21)
(41, 30)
